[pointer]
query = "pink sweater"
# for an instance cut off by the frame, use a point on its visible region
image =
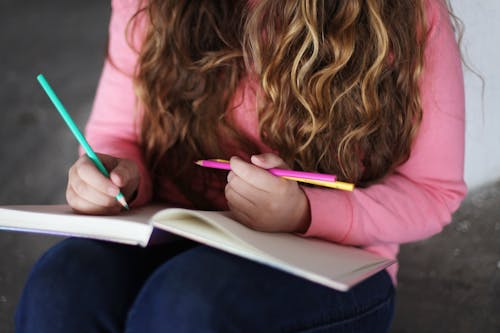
(413, 203)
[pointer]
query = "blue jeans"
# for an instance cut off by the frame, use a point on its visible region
(83, 285)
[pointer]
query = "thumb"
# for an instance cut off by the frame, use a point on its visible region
(125, 172)
(268, 161)
(110, 162)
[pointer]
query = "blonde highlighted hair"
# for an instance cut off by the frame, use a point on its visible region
(339, 81)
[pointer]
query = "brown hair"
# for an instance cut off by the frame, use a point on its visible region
(339, 81)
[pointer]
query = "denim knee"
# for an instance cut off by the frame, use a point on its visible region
(205, 290)
(68, 288)
(182, 295)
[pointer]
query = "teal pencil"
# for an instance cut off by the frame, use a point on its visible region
(76, 132)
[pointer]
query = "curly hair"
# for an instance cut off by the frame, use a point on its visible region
(338, 81)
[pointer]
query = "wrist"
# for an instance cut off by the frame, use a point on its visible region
(304, 215)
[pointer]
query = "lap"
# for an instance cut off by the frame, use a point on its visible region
(83, 285)
(88, 286)
(218, 292)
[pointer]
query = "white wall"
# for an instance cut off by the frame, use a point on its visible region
(481, 47)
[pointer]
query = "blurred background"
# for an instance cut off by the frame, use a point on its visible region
(449, 283)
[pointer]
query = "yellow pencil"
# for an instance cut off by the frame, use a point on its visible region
(336, 184)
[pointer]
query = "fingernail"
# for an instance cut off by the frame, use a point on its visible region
(116, 179)
(234, 159)
(257, 158)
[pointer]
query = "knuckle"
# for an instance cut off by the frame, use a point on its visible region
(239, 168)
(73, 200)
(228, 192)
(245, 173)
(69, 196)
(79, 187)
(81, 161)
(72, 172)
(84, 169)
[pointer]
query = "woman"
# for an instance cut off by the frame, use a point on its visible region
(370, 90)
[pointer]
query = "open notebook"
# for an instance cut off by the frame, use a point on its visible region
(336, 266)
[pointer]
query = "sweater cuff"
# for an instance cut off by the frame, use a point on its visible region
(331, 214)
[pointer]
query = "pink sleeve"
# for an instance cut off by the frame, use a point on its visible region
(417, 200)
(113, 125)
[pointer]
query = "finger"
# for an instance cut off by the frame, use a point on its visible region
(241, 217)
(79, 204)
(246, 190)
(124, 172)
(268, 161)
(237, 200)
(83, 206)
(87, 171)
(239, 208)
(90, 193)
(258, 177)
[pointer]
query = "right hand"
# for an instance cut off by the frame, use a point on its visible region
(90, 192)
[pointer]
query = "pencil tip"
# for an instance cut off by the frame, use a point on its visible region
(199, 162)
(123, 202)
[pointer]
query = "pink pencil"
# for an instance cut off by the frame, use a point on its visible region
(224, 165)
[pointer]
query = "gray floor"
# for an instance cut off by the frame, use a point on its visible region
(450, 283)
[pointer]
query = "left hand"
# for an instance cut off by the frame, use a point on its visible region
(263, 201)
